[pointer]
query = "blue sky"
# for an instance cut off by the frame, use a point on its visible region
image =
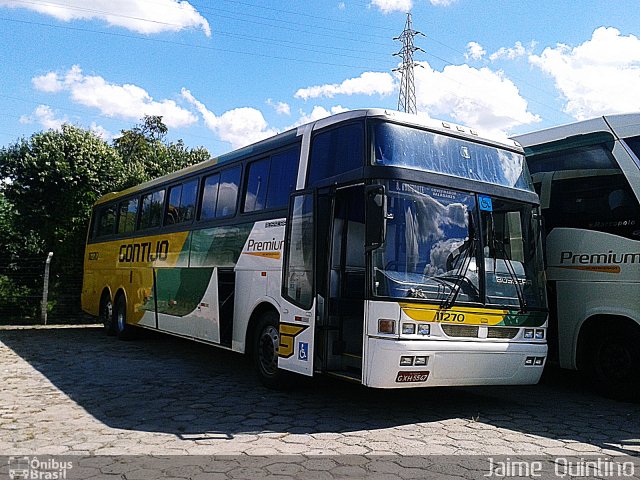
(225, 73)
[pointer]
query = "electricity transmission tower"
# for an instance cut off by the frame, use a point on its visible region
(407, 97)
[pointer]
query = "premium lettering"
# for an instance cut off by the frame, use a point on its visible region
(269, 245)
(598, 258)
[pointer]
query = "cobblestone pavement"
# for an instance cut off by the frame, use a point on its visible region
(76, 391)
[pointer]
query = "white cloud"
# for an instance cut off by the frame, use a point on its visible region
(369, 83)
(389, 6)
(280, 107)
(123, 101)
(100, 131)
(141, 16)
(239, 127)
(474, 51)
(318, 113)
(45, 116)
(518, 50)
(600, 76)
(49, 83)
(404, 6)
(480, 98)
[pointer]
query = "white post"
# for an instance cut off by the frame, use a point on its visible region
(45, 288)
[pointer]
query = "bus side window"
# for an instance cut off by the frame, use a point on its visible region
(257, 181)
(127, 213)
(106, 223)
(209, 197)
(152, 208)
(182, 203)
(228, 192)
(282, 177)
(336, 151)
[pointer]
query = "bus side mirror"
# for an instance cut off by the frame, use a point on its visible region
(376, 217)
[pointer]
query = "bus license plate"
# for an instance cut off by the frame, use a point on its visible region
(405, 377)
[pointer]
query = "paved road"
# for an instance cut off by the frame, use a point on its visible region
(77, 391)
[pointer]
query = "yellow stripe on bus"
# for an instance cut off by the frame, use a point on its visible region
(458, 315)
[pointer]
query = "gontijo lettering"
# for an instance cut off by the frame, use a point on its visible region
(144, 252)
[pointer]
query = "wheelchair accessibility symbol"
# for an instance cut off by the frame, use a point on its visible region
(303, 351)
(485, 203)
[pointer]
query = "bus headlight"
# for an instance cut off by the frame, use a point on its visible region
(420, 361)
(386, 326)
(409, 328)
(528, 333)
(539, 334)
(424, 329)
(406, 361)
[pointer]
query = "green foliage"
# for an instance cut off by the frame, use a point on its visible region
(49, 183)
(146, 155)
(52, 180)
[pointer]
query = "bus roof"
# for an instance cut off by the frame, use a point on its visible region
(620, 126)
(287, 137)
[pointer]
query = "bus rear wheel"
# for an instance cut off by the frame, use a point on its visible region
(122, 329)
(106, 315)
(615, 368)
(266, 340)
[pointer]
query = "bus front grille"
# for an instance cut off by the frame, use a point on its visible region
(502, 332)
(468, 331)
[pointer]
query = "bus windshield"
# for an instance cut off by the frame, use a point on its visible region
(402, 146)
(447, 246)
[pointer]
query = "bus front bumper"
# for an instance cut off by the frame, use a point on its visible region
(431, 363)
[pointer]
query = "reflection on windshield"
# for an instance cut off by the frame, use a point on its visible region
(402, 146)
(428, 244)
(438, 246)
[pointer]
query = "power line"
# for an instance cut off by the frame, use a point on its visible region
(184, 44)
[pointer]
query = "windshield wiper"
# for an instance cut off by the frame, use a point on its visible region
(512, 273)
(460, 277)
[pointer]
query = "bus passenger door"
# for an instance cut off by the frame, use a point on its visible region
(297, 315)
(341, 318)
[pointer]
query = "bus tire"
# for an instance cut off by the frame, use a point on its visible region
(106, 315)
(122, 329)
(266, 339)
(615, 365)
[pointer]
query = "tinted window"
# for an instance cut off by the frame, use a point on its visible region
(228, 192)
(210, 197)
(219, 194)
(182, 203)
(257, 182)
(128, 211)
(336, 151)
(151, 211)
(106, 221)
(588, 191)
(592, 157)
(634, 145)
(594, 202)
(282, 177)
(401, 146)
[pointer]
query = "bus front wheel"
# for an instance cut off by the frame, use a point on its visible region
(122, 329)
(266, 340)
(615, 366)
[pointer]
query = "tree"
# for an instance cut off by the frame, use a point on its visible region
(49, 183)
(146, 154)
